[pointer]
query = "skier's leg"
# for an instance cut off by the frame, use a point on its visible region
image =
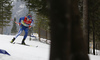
(20, 31)
(12, 40)
(26, 33)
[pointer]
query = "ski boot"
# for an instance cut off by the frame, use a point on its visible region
(23, 43)
(12, 40)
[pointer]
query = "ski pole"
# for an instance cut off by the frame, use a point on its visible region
(15, 22)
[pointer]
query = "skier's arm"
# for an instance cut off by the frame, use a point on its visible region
(31, 24)
(22, 18)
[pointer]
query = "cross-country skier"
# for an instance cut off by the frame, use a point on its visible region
(25, 24)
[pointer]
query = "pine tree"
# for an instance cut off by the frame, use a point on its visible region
(5, 13)
(14, 28)
(94, 20)
(30, 30)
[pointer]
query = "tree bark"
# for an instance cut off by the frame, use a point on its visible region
(39, 32)
(93, 24)
(66, 34)
(86, 23)
(60, 29)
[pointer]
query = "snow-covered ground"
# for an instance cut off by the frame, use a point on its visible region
(21, 52)
(94, 57)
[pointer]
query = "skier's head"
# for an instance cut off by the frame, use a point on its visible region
(29, 16)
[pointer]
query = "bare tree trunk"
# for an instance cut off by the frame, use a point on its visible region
(46, 35)
(66, 34)
(60, 29)
(78, 44)
(86, 23)
(39, 33)
(93, 23)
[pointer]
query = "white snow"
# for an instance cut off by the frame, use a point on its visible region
(21, 52)
(94, 57)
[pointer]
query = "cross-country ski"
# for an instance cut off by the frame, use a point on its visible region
(25, 44)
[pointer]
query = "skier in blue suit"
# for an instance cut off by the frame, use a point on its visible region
(25, 24)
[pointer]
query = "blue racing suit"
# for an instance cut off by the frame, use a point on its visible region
(24, 25)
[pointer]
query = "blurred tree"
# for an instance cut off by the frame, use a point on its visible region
(14, 28)
(39, 6)
(93, 13)
(30, 30)
(94, 17)
(41, 23)
(5, 13)
(86, 23)
(66, 33)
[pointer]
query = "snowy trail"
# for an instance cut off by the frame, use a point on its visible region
(21, 52)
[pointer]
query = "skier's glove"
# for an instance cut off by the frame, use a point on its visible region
(29, 27)
(19, 24)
